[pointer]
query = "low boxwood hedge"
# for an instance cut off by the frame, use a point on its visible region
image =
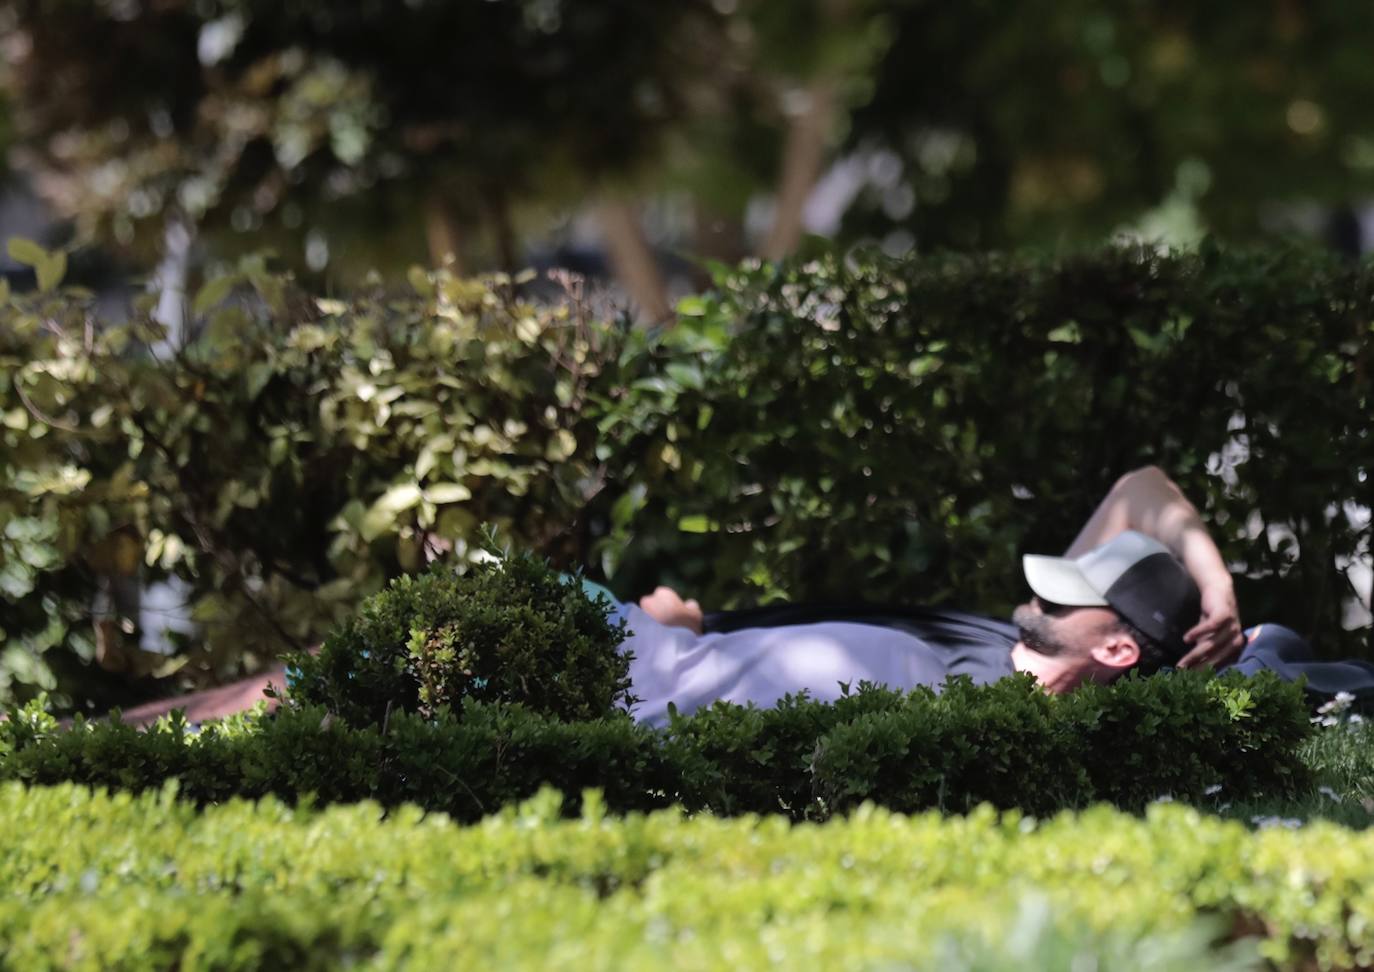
(1008, 744)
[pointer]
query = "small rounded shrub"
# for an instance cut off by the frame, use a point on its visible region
(511, 630)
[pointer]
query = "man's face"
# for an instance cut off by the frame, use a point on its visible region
(1059, 631)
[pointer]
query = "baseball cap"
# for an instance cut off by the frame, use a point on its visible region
(1133, 574)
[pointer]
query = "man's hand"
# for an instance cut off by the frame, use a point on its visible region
(1217, 639)
(666, 606)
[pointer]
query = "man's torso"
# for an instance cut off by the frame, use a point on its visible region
(759, 656)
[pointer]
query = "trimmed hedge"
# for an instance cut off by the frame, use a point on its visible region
(815, 431)
(148, 883)
(1008, 744)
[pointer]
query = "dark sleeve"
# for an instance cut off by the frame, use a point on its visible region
(1287, 653)
(780, 615)
(940, 625)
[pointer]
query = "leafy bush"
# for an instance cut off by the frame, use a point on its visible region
(1007, 744)
(510, 630)
(92, 880)
(298, 454)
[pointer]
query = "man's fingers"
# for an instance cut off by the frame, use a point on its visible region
(1202, 629)
(1218, 628)
(1215, 651)
(1197, 658)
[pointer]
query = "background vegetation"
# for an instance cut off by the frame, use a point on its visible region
(376, 136)
(888, 430)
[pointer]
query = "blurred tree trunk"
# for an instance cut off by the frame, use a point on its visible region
(169, 282)
(507, 249)
(802, 162)
(443, 234)
(718, 237)
(633, 260)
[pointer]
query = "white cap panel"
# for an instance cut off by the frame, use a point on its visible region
(1060, 581)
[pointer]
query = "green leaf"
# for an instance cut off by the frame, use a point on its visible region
(692, 306)
(258, 375)
(625, 508)
(447, 493)
(51, 271)
(686, 375)
(213, 292)
(26, 252)
(272, 290)
(420, 282)
(381, 515)
(696, 523)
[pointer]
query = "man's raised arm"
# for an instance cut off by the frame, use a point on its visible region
(1149, 501)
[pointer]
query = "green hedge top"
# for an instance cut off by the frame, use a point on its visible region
(510, 630)
(115, 882)
(897, 430)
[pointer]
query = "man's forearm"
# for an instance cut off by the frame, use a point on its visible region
(216, 703)
(1149, 501)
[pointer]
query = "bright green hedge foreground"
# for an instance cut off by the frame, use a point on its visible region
(119, 882)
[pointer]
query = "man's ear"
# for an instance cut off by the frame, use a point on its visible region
(1116, 650)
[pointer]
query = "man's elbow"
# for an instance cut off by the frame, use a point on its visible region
(1145, 474)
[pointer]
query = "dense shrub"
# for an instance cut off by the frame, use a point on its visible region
(113, 882)
(1007, 744)
(1138, 739)
(294, 457)
(821, 430)
(510, 630)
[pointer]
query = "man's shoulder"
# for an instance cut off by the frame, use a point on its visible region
(1286, 653)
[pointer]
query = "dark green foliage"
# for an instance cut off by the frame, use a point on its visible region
(1233, 725)
(1177, 735)
(1008, 744)
(747, 759)
(1049, 122)
(509, 630)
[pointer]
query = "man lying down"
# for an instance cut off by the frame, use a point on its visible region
(1142, 588)
(1125, 605)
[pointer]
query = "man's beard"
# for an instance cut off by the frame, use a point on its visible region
(1037, 632)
